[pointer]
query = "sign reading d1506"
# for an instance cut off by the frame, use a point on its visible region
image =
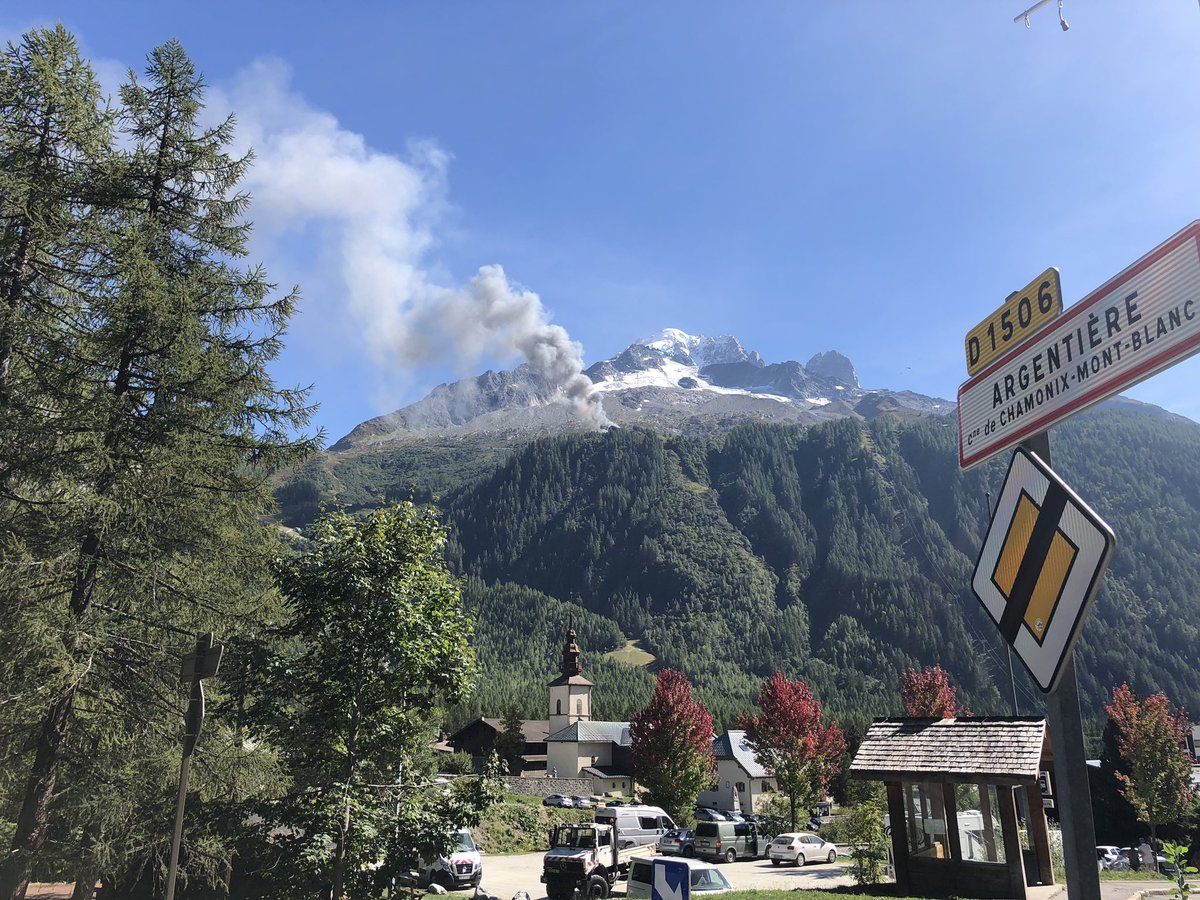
(1137, 323)
(1023, 313)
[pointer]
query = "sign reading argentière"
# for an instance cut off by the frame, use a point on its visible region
(1139, 322)
(1023, 313)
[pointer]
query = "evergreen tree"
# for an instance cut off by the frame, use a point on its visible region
(510, 742)
(672, 745)
(146, 514)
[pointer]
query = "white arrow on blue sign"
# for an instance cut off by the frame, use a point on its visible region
(671, 881)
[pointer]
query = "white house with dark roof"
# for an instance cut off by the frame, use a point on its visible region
(741, 780)
(577, 746)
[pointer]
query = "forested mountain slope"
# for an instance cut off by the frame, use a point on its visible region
(840, 552)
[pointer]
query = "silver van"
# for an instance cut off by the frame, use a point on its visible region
(730, 840)
(636, 825)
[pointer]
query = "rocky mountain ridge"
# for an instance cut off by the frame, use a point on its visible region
(674, 382)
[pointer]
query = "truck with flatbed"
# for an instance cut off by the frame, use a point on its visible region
(587, 857)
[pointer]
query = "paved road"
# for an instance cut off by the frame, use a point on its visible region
(503, 876)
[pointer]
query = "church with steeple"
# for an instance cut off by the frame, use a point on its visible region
(578, 746)
(568, 743)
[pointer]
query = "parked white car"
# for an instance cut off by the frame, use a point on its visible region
(705, 878)
(801, 847)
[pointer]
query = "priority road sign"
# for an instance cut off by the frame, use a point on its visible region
(1040, 566)
(1139, 322)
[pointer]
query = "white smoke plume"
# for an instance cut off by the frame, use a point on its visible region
(379, 213)
(493, 316)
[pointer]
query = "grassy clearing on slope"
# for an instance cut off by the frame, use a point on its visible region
(520, 824)
(631, 655)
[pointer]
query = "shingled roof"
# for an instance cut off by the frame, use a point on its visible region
(995, 749)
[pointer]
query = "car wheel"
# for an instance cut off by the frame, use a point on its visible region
(597, 888)
(444, 879)
(800, 859)
(730, 855)
(776, 862)
(689, 851)
(832, 856)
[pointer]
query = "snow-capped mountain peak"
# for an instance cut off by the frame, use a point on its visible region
(673, 380)
(697, 350)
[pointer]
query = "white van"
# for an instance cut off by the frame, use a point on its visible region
(636, 825)
(705, 877)
(462, 868)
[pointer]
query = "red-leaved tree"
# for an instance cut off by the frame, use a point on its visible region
(1151, 736)
(929, 694)
(790, 742)
(672, 745)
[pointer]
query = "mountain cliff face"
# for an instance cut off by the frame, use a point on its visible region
(674, 382)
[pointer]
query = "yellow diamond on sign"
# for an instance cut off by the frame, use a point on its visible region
(1051, 578)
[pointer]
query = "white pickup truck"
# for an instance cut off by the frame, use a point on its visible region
(587, 856)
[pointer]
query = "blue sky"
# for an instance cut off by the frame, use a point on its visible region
(871, 177)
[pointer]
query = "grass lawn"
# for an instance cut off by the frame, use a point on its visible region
(631, 655)
(843, 893)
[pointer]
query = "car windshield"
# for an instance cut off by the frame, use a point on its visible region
(708, 880)
(465, 843)
(584, 836)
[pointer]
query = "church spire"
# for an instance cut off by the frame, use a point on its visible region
(571, 663)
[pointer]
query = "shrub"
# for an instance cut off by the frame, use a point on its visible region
(868, 843)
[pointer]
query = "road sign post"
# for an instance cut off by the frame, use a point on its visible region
(203, 662)
(1073, 794)
(1037, 574)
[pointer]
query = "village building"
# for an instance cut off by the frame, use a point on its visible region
(742, 783)
(478, 738)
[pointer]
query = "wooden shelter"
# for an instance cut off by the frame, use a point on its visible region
(953, 791)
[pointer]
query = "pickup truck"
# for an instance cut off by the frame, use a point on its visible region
(588, 857)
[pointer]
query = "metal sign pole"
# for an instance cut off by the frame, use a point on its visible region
(177, 839)
(201, 663)
(1073, 795)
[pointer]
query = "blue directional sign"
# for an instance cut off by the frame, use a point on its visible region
(671, 881)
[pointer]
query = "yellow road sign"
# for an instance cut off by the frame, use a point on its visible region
(1023, 313)
(1040, 566)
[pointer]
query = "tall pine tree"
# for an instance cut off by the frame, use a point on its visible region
(166, 423)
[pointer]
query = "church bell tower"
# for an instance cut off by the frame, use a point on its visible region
(570, 692)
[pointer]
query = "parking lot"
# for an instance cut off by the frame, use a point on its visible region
(503, 876)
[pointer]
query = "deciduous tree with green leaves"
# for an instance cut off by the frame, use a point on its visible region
(377, 641)
(672, 745)
(1150, 738)
(791, 742)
